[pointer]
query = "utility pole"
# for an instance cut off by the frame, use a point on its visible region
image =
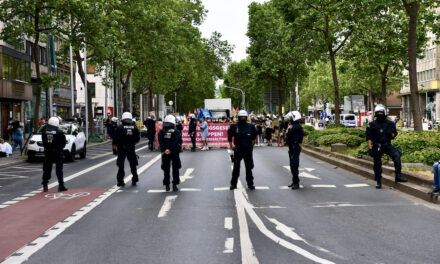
(85, 94)
(115, 93)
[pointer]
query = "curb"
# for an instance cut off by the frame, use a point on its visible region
(417, 189)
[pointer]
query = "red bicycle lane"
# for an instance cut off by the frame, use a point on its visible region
(23, 222)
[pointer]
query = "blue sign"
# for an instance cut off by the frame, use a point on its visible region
(324, 114)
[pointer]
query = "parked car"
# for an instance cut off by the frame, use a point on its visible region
(76, 142)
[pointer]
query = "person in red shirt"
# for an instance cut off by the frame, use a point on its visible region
(42, 121)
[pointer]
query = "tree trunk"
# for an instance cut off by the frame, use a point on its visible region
(37, 69)
(82, 73)
(384, 84)
(412, 10)
(335, 83)
(371, 100)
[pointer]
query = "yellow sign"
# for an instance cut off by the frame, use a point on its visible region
(435, 84)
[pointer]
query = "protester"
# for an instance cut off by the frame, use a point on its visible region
(204, 127)
(5, 148)
(268, 130)
(150, 124)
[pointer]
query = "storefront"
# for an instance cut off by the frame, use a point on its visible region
(15, 88)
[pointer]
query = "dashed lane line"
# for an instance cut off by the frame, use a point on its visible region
(166, 207)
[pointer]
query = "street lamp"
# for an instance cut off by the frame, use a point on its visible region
(242, 95)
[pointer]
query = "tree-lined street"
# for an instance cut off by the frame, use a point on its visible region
(337, 217)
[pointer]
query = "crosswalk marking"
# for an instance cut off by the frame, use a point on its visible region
(356, 185)
(304, 174)
(324, 186)
(228, 223)
(221, 188)
(229, 245)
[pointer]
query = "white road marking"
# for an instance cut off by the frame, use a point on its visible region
(309, 169)
(156, 191)
(169, 200)
(289, 188)
(100, 156)
(20, 198)
(324, 186)
(304, 174)
(261, 187)
(190, 190)
(9, 176)
(3, 205)
(247, 249)
(10, 202)
(221, 189)
(356, 185)
(187, 175)
(229, 245)
(245, 205)
(28, 250)
(228, 223)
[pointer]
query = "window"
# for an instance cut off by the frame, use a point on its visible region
(15, 69)
(91, 86)
(6, 67)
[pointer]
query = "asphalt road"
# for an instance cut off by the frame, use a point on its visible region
(337, 217)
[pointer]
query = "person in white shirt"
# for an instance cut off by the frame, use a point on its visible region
(5, 148)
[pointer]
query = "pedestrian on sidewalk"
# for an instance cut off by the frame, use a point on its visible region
(5, 148)
(294, 139)
(379, 134)
(244, 135)
(124, 141)
(17, 136)
(54, 142)
(192, 131)
(169, 141)
(205, 133)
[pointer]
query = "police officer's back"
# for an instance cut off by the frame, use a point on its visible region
(192, 130)
(379, 134)
(170, 141)
(294, 138)
(54, 142)
(125, 138)
(244, 135)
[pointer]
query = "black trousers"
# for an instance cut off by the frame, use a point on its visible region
(394, 153)
(193, 140)
(171, 160)
(129, 153)
(294, 153)
(246, 155)
(150, 141)
(51, 157)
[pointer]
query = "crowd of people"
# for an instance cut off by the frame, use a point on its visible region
(14, 138)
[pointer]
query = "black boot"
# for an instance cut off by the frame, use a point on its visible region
(121, 184)
(399, 178)
(291, 185)
(175, 189)
(251, 187)
(61, 187)
(134, 181)
(295, 186)
(167, 187)
(379, 184)
(233, 187)
(45, 188)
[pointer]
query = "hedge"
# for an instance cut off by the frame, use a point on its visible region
(349, 140)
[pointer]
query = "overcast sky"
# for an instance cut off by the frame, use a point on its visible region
(230, 18)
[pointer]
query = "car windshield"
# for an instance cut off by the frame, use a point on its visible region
(219, 114)
(349, 118)
(66, 128)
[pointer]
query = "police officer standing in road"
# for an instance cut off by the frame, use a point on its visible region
(192, 131)
(379, 134)
(244, 135)
(170, 141)
(124, 140)
(54, 142)
(294, 138)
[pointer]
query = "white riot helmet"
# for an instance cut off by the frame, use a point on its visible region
(127, 115)
(288, 116)
(170, 119)
(54, 121)
(242, 113)
(192, 116)
(380, 108)
(114, 119)
(296, 116)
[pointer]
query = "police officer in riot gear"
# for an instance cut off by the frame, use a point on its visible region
(170, 141)
(124, 140)
(192, 131)
(294, 138)
(54, 142)
(244, 135)
(379, 134)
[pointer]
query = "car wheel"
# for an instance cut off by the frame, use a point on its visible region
(31, 157)
(72, 153)
(84, 151)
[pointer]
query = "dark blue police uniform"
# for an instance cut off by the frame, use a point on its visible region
(54, 142)
(294, 138)
(170, 138)
(380, 132)
(125, 138)
(192, 130)
(244, 134)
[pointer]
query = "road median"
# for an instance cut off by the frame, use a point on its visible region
(416, 186)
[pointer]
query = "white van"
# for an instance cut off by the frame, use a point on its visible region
(348, 120)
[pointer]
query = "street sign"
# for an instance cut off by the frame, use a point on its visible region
(170, 103)
(324, 114)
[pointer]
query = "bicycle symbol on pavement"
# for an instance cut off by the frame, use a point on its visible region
(66, 196)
